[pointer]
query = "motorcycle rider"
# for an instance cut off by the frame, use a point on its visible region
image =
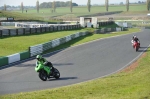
(135, 39)
(41, 60)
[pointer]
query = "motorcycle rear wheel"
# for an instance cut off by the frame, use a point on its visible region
(43, 75)
(56, 73)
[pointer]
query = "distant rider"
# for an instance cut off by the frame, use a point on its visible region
(135, 39)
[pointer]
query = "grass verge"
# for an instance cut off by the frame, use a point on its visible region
(127, 84)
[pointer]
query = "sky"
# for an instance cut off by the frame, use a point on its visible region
(80, 2)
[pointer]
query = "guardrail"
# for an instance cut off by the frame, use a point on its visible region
(38, 49)
(108, 30)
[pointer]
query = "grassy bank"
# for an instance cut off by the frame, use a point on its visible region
(64, 12)
(82, 10)
(131, 83)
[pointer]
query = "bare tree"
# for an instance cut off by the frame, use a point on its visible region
(71, 6)
(22, 7)
(148, 5)
(107, 4)
(5, 7)
(53, 6)
(127, 5)
(37, 6)
(89, 5)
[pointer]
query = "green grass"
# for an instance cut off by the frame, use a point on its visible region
(64, 12)
(82, 10)
(134, 84)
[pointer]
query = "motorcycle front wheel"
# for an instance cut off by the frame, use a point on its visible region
(43, 75)
(136, 48)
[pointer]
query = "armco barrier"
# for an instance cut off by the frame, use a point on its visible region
(3, 61)
(13, 58)
(38, 49)
(107, 30)
(24, 55)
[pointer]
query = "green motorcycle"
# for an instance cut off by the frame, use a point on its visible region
(46, 72)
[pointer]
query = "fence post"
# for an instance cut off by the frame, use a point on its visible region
(40, 29)
(23, 31)
(53, 28)
(30, 30)
(45, 29)
(9, 32)
(16, 31)
(35, 30)
(49, 29)
(0, 33)
(57, 28)
(29, 52)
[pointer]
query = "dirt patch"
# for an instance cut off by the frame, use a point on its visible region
(133, 65)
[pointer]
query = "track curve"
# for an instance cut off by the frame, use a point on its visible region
(76, 64)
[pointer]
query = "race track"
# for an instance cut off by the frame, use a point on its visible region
(76, 64)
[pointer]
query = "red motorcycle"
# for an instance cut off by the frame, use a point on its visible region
(136, 46)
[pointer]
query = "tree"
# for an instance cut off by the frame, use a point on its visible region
(37, 6)
(139, 2)
(89, 5)
(121, 3)
(22, 7)
(5, 7)
(53, 6)
(148, 5)
(106, 4)
(127, 5)
(71, 6)
(57, 4)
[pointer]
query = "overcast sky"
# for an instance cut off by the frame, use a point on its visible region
(80, 2)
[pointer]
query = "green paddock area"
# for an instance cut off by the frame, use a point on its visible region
(64, 12)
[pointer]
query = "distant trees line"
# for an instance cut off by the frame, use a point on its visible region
(53, 5)
(107, 5)
(57, 4)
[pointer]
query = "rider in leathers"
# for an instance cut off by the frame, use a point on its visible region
(41, 60)
(135, 39)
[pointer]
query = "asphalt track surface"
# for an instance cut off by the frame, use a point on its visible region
(76, 64)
